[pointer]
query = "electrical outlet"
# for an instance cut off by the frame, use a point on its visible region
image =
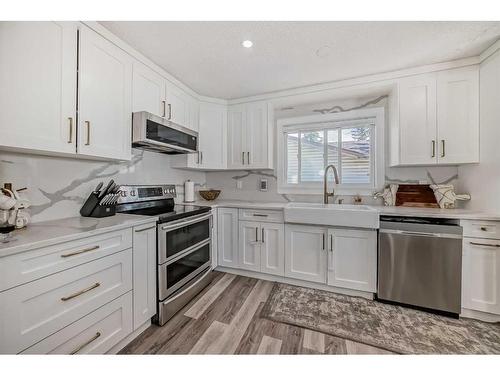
(239, 184)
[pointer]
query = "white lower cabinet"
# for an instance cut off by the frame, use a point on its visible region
(82, 296)
(227, 237)
(261, 247)
(305, 253)
(144, 273)
(352, 259)
(249, 245)
(272, 253)
(95, 333)
(481, 275)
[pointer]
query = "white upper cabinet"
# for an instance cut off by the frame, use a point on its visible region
(438, 118)
(105, 86)
(417, 120)
(149, 91)
(458, 115)
(38, 86)
(352, 259)
(236, 118)
(177, 105)
(249, 136)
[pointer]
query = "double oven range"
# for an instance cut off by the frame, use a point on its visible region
(184, 241)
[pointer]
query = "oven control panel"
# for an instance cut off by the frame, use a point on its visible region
(141, 193)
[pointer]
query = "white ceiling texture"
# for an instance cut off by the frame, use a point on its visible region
(209, 57)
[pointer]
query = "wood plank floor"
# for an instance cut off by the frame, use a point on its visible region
(225, 319)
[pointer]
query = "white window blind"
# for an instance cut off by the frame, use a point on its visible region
(348, 146)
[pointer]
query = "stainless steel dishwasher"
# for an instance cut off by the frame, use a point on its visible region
(420, 262)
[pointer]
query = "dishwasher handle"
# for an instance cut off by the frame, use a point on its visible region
(420, 234)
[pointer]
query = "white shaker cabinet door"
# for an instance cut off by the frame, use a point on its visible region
(144, 273)
(272, 256)
(305, 252)
(105, 84)
(352, 259)
(256, 136)
(237, 156)
(417, 120)
(458, 115)
(38, 63)
(177, 105)
(481, 275)
(212, 137)
(249, 245)
(148, 90)
(227, 237)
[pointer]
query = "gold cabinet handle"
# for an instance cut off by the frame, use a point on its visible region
(248, 157)
(433, 149)
(323, 248)
(70, 129)
(88, 133)
(262, 238)
(443, 153)
(201, 152)
(71, 296)
(256, 234)
(79, 252)
(164, 108)
(243, 157)
(331, 243)
(144, 229)
(170, 111)
(95, 337)
(484, 244)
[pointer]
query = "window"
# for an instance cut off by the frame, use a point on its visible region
(313, 142)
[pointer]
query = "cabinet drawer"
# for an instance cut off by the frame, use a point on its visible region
(261, 215)
(95, 333)
(33, 311)
(31, 265)
(481, 229)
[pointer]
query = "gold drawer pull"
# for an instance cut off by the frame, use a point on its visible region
(142, 230)
(484, 244)
(96, 336)
(79, 252)
(260, 215)
(484, 229)
(96, 285)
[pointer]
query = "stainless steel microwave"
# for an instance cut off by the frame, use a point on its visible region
(157, 134)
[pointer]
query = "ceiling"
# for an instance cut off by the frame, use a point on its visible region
(209, 57)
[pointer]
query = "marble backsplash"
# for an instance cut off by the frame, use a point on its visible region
(57, 187)
(250, 180)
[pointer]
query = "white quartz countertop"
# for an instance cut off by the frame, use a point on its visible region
(240, 204)
(456, 213)
(51, 232)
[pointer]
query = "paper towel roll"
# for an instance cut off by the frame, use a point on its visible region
(189, 191)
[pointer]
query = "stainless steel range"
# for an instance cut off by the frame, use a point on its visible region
(184, 243)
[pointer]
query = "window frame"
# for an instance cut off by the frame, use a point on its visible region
(333, 121)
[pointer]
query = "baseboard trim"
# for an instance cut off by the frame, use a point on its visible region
(287, 280)
(480, 315)
(127, 340)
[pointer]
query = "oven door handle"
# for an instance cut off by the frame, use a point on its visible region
(185, 222)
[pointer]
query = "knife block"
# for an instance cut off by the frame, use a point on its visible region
(91, 207)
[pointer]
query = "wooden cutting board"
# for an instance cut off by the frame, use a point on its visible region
(411, 195)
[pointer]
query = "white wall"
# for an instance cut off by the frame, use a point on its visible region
(482, 181)
(58, 186)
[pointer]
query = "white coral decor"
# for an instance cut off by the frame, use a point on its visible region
(446, 197)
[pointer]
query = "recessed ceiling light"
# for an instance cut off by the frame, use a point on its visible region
(247, 43)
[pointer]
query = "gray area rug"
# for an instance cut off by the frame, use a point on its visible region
(395, 328)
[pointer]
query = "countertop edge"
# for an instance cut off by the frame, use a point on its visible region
(134, 220)
(382, 210)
